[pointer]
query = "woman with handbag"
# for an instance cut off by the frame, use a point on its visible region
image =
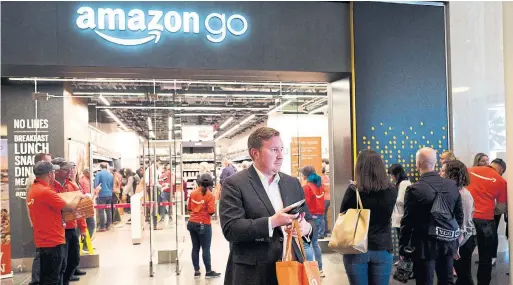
(201, 205)
(457, 171)
(377, 194)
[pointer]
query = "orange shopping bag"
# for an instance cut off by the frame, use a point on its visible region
(291, 272)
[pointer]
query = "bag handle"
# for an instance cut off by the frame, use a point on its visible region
(358, 199)
(288, 248)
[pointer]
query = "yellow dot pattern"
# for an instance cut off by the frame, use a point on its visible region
(400, 143)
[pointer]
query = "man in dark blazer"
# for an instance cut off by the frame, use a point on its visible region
(253, 208)
(429, 253)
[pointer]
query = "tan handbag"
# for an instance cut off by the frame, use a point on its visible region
(350, 233)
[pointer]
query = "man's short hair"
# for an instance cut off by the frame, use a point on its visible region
(256, 139)
(104, 165)
(40, 156)
(500, 162)
(326, 161)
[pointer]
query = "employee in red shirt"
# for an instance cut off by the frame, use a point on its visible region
(63, 184)
(488, 189)
(314, 195)
(45, 212)
(201, 206)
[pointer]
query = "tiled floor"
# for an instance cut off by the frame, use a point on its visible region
(127, 264)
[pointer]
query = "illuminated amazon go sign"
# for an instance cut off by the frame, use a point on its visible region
(138, 27)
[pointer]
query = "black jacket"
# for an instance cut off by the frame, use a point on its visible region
(244, 211)
(418, 201)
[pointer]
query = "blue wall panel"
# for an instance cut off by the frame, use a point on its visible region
(401, 84)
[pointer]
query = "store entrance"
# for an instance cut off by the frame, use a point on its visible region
(169, 133)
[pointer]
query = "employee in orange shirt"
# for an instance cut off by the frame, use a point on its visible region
(64, 184)
(45, 213)
(488, 189)
(201, 205)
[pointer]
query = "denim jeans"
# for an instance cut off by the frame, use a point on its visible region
(36, 268)
(326, 229)
(166, 197)
(103, 212)
(425, 270)
(485, 233)
(53, 264)
(72, 255)
(200, 239)
(373, 267)
(309, 252)
(319, 225)
(463, 266)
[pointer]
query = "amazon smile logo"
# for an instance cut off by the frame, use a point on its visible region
(149, 25)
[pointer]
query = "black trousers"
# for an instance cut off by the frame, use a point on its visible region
(36, 269)
(486, 236)
(52, 264)
(72, 254)
(463, 266)
(497, 221)
(425, 270)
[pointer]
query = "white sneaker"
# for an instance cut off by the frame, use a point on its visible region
(322, 274)
(494, 261)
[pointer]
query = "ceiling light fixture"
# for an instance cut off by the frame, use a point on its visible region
(103, 100)
(197, 114)
(150, 125)
(235, 127)
(115, 118)
(113, 80)
(170, 123)
(279, 107)
(184, 108)
(303, 96)
(318, 110)
(152, 135)
(170, 135)
(110, 93)
(226, 123)
(141, 139)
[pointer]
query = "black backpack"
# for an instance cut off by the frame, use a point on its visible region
(442, 223)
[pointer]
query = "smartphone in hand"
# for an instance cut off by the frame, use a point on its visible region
(297, 207)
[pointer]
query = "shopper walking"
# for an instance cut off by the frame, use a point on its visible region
(201, 206)
(489, 191)
(378, 195)
(36, 264)
(457, 171)
(500, 166)
(105, 179)
(314, 196)
(46, 209)
(430, 253)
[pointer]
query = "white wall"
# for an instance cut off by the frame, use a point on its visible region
(299, 126)
(127, 144)
(477, 71)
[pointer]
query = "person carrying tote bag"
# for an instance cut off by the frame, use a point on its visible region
(374, 193)
(351, 229)
(290, 272)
